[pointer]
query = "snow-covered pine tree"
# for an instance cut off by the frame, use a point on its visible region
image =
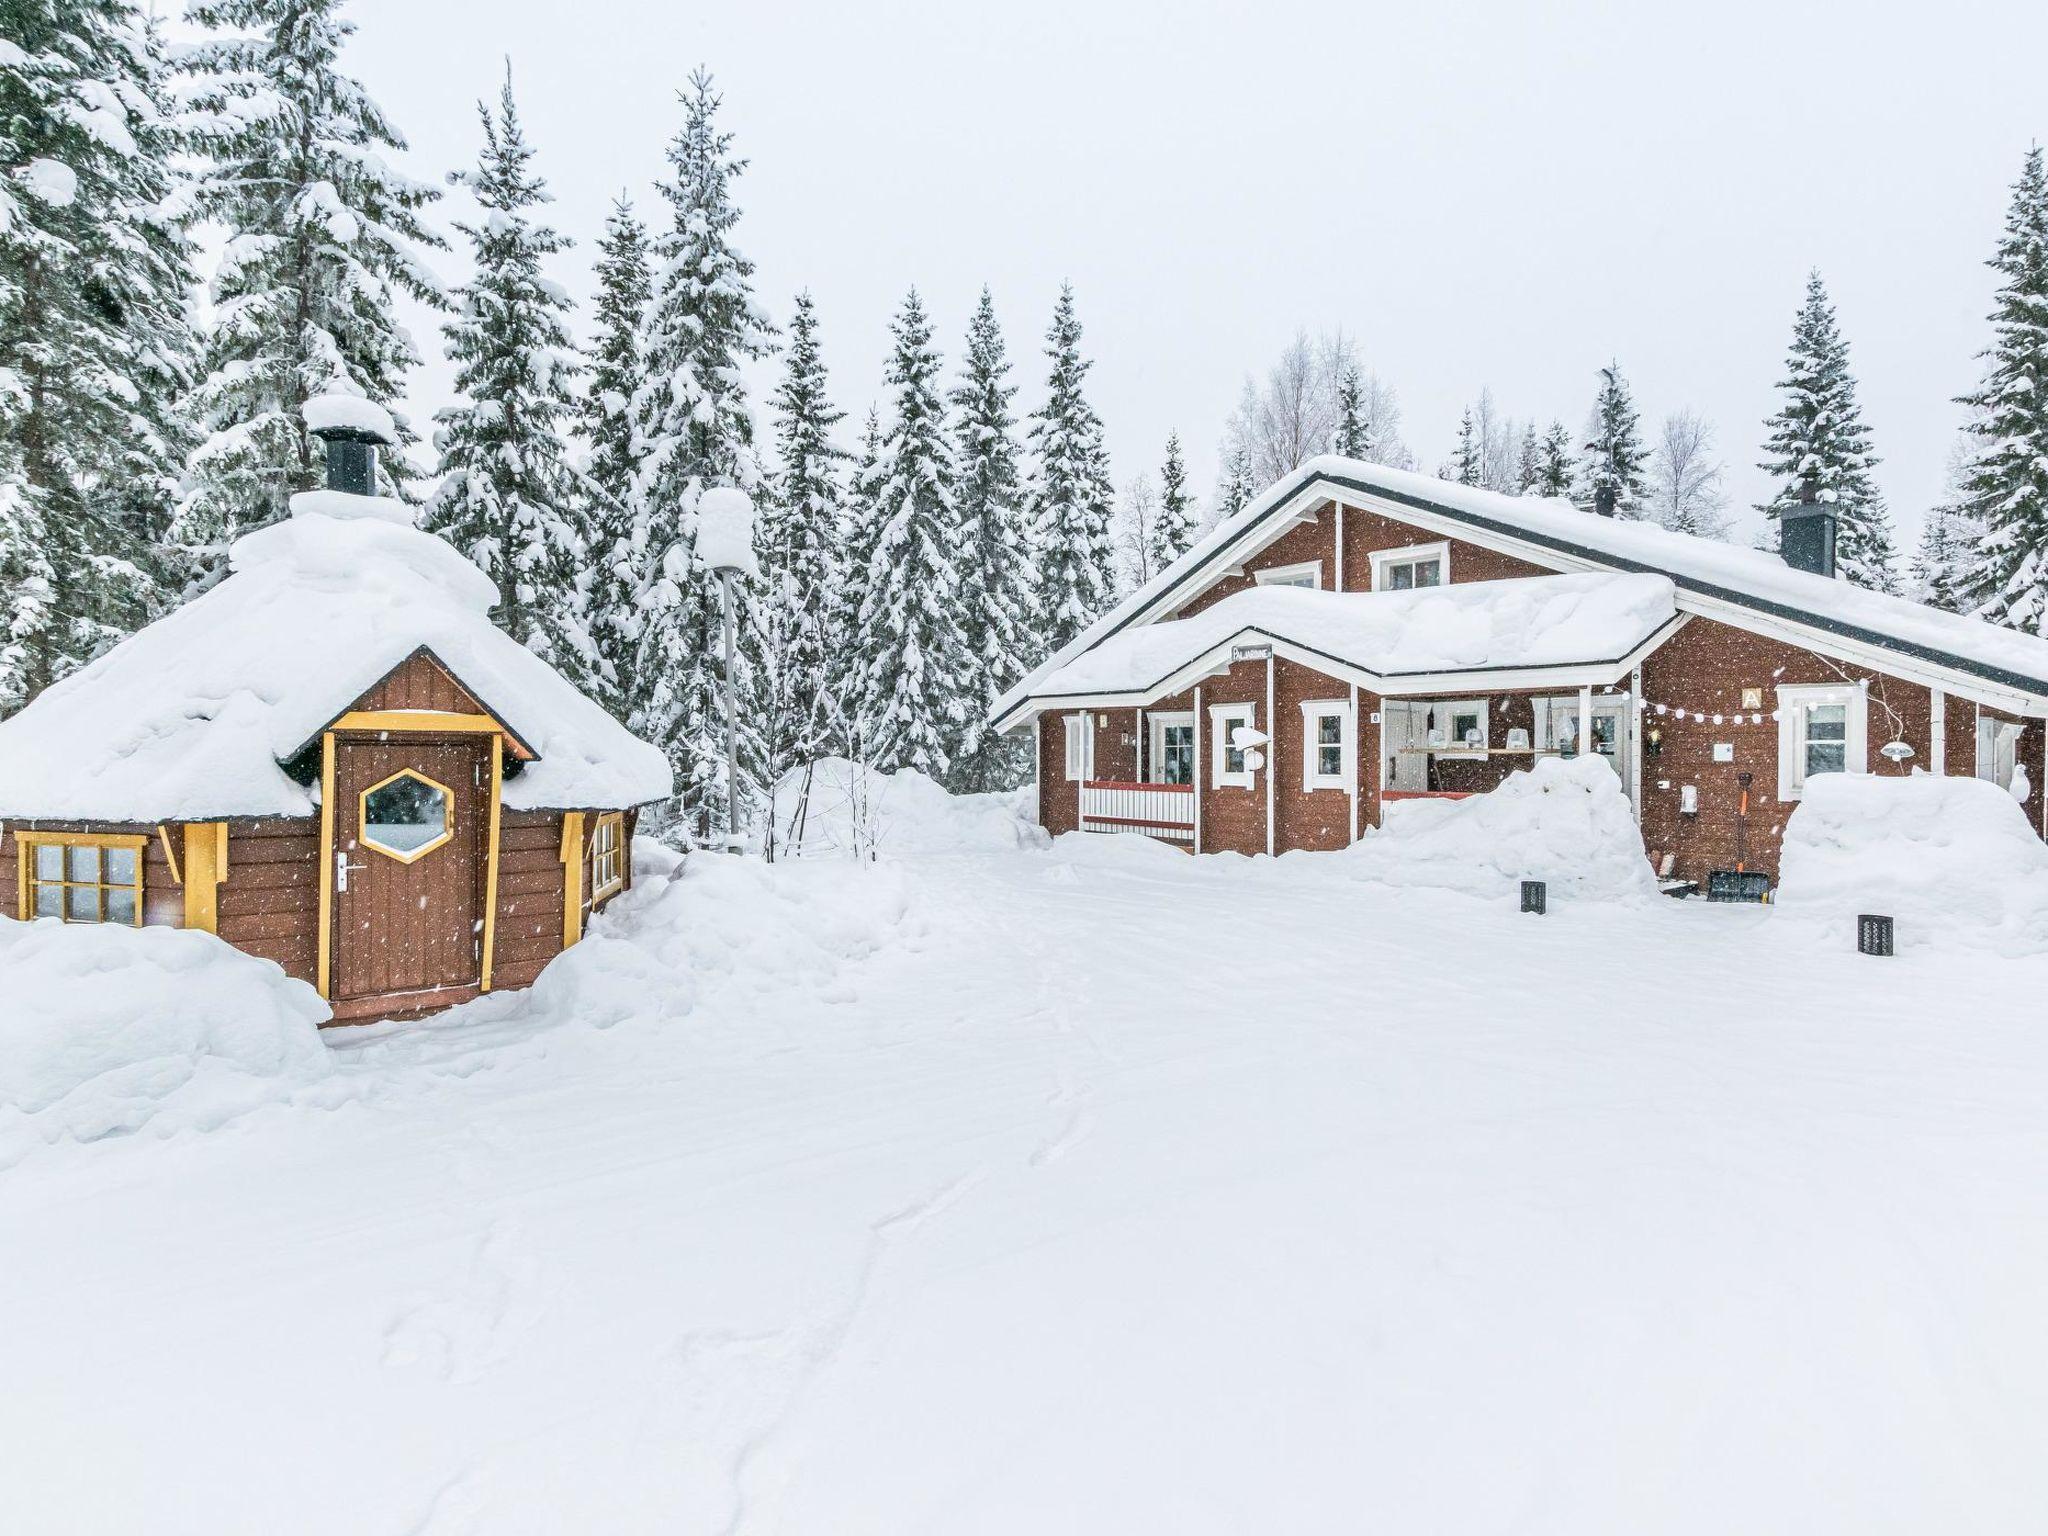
(1944, 565)
(95, 350)
(613, 358)
(852, 648)
(1528, 462)
(799, 536)
(691, 430)
(997, 577)
(508, 497)
(1555, 469)
(1818, 434)
(1072, 499)
(1465, 462)
(1354, 431)
(323, 234)
(1173, 530)
(2007, 487)
(917, 688)
(1617, 466)
(1234, 489)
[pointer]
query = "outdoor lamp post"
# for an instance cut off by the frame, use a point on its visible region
(725, 543)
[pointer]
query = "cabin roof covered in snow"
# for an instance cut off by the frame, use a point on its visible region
(192, 717)
(1726, 580)
(1419, 638)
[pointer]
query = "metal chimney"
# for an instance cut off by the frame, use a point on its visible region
(351, 460)
(1603, 500)
(1806, 531)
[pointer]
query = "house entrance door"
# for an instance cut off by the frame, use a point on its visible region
(409, 818)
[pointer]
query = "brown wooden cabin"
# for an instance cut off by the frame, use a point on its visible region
(443, 832)
(1447, 639)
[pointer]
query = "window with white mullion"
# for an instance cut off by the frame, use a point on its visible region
(1227, 768)
(1418, 565)
(1325, 744)
(1821, 729)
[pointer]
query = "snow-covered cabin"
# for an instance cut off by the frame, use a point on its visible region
(334, 760)
(1358, 636)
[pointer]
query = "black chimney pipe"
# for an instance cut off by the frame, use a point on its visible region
(351, 460)
(1806, 531)
(1603, 500)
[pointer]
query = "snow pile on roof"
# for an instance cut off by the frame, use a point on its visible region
(725, 530)
(111, 1029)
(350, 413)
(1952, 860)
(851, 810)
(191, 717)
(1565, 821)
(1534, 621)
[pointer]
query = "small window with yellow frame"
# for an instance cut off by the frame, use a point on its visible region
(81, 877)
(607, 855)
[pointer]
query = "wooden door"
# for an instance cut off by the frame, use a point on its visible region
(410, 816)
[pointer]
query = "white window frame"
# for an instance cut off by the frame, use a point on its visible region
(1313, 713)
(1290, 575)
(1794, 699)
(1411, 554)
(1991, 731)
(1445, 707)
(1157, 726)
(1078, 740)
(1221, 718)
(1550, 708)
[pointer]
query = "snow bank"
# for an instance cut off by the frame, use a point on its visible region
(855, 810)
(109, 1030)
(1953, 860)
(1565, 821)
(350, 413)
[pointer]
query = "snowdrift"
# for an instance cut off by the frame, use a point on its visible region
(1953, 860)
(855, 810)
(1565, 821)
(109, 1030)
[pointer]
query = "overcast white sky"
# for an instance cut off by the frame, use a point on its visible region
(1498, 194)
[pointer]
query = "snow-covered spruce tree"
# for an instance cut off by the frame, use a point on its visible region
(508, 497)
(95, 349)
(1818, 435)
(323, 233)
(1353, 437)
(1616, 466)
(799, 535)
(847, 663)
(997, 578)
(1234, 488)
(1528, 462)
(1555, 469)
(917, 686)
(1173, 530)
(2007, 485)
(1465, 461)
(1944, 567)
(613, 360)
(1072, 499)
(691, 430)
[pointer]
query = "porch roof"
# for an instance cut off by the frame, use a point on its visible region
(1530, 632)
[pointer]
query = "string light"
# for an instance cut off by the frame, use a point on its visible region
(1681, 712)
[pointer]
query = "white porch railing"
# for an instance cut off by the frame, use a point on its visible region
(1152, 810)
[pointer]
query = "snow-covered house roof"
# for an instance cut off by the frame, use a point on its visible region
(1744, 586)
(1525, 632)
(193, 717)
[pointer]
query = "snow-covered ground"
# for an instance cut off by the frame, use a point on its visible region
(1082, 1189)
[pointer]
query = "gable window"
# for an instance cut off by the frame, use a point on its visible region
(81, 877)
(1080, 744)
(1418, 565)
(1820, 730)
(1173, 748)
(1226, 762)
(1326, 744)
(607, 855)
(1309, 573)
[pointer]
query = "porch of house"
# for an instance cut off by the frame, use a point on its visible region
(1434, 748)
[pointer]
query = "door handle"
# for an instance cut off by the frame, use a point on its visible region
(341, 869)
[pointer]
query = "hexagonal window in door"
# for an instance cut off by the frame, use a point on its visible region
(406, 816)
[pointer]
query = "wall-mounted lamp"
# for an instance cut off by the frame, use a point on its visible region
(1653, 741)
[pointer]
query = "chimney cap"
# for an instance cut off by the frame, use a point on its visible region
(349, 419)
